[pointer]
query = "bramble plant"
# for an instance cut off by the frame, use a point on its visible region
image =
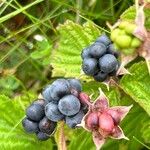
(81, 84)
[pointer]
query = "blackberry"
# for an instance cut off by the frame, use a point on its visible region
(35, 112)
(103, 39)
(29, 126)
(100, 76)
(42, 136)
(90, 66)
(52, 112)
(72, 121)
(97, 50)
(47, 126)
(69, 105)
(108, 63)
(59, 88)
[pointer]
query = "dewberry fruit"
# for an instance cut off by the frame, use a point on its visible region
(52, 112)
(41, 102)
(47, 126)
(42, 136)
(29, 126)
(112, 50)
(124, 24)
(60, 87)
(92, 121)
(115, 115)
(100, 76)
(101, 59)
(114, 72)
(135, 43)
(115, 33)
(35, 112)
(108, 63)
(123, 41)
(85, 53)
(130, 28)
(103, 39)
(84, 98)
(47, 93)
(97, 50)
(69, 105)
(72, 121)
(75, 84)
(106, 122)
(89, 66)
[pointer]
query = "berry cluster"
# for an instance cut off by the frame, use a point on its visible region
(100, 59)
(106, 121)
(103, 121)
(124, 39)
(62, 100)
(36, 121)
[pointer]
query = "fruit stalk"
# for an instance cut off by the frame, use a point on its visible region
(61, 137)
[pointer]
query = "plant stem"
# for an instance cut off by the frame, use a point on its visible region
(61, 140)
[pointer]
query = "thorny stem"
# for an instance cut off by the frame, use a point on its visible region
(61, 138)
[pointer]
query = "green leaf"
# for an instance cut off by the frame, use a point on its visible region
(42, 51)
(137, 85)
(12, 134)
(73, 38)
(146, 131)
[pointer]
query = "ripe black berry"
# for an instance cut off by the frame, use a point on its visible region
(47, 126)
(69, 105)
(29, 126)
(103, 39)
(85, 53)
(89, 66)
(52, 112)
(72, 121)
(97, 50)
(35, 112)
(100, 76)
(47, 94)
(75, 84)
(42, 136)
(112, 50)
(108, 63)
(40, 102)
(59, 88)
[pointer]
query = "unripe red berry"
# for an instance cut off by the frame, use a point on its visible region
(106, 122)
(92, 121)
(84, 98)
(115, 115)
